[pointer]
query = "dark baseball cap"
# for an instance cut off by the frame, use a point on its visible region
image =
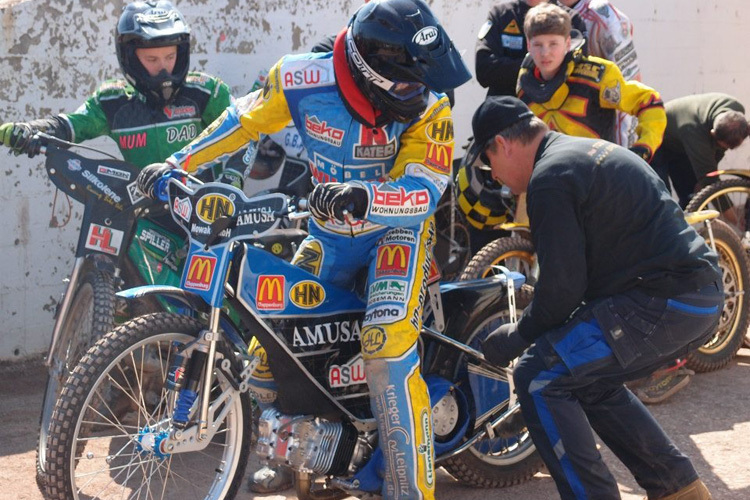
(494, 115)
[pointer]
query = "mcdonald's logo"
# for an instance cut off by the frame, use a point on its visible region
(200, 272)
(307, 294)
(439, 156)
(392, 260)
(213, 206)
(270, 293)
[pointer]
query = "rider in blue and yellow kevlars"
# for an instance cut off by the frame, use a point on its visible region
(378, 130)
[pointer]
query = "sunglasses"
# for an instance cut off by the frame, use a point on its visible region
(483, 155)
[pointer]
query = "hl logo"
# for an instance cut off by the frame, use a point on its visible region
(439, 156)
(213, 206)
(307, 294)
(392, 260)
(270, 293)
(104, 239)
(200, 272)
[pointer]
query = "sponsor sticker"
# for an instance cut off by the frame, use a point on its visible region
(385, 314)
(307, 294)
(104, 239)
(439, 156)
(212, 206)
(322, 131)
(174, 112)
(184, 133)
(74, 164)
(155, 239)
(374, 144)
(310, 257)
(326, 333)
(133, 141)
(512, 28)
(183, 208)
(310, 74)
(113, 172)
(512, 42)
(484, 30)
(101, 186)
(200, 272)
(133, 193)
(399, 235)
(269, 295)
(373, 340)
(426, 35)
(392, 260)
(350, 373)
(387, 290)
(441, 131)
(399, 202)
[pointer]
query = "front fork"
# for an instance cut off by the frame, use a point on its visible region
(62, 312)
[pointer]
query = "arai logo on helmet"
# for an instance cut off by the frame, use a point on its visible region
(425, 36)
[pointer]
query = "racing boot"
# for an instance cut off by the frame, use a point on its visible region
(269, 479)
(693, 491)
(663, 384)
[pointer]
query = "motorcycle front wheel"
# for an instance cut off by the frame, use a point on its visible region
(90, 317)
(116, 397)
(500, 461)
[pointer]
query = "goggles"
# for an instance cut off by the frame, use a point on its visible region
(403, 91)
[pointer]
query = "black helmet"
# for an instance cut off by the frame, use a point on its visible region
(397, 52)
(152, 24)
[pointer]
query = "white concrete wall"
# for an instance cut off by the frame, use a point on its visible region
(54, 52)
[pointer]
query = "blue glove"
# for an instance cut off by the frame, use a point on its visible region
(147, 178)
(504, 345)
(330, 200)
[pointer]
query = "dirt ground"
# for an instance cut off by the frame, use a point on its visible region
(709, 421)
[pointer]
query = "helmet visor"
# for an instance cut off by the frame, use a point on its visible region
(402, 91)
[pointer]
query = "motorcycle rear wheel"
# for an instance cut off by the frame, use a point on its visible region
(735, 270)
(721, 196)
(517, 254)
(90, 317)
(498, 462)
(94, 447)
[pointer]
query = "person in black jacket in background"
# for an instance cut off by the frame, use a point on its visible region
(502, 45)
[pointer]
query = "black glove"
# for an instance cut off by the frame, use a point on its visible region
(642, 151)
(504, 345)
(147, 178)
(329, 200)
(20, 138)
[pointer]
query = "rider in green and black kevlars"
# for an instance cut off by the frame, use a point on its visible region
(158, 107)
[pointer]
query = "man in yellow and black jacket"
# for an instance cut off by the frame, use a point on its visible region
(580, 95)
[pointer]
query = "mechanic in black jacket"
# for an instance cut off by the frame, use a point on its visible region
(625, 285)
(502, 45)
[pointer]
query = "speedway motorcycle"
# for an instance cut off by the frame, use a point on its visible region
(124, 241)
(161, 406)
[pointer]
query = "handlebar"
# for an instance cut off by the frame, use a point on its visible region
(51, 139)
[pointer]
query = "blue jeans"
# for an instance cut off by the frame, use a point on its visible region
(572, 381)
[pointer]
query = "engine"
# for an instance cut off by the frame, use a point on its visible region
(310, 444)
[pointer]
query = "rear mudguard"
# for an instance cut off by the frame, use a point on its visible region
(188, 299)
(745, 174)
